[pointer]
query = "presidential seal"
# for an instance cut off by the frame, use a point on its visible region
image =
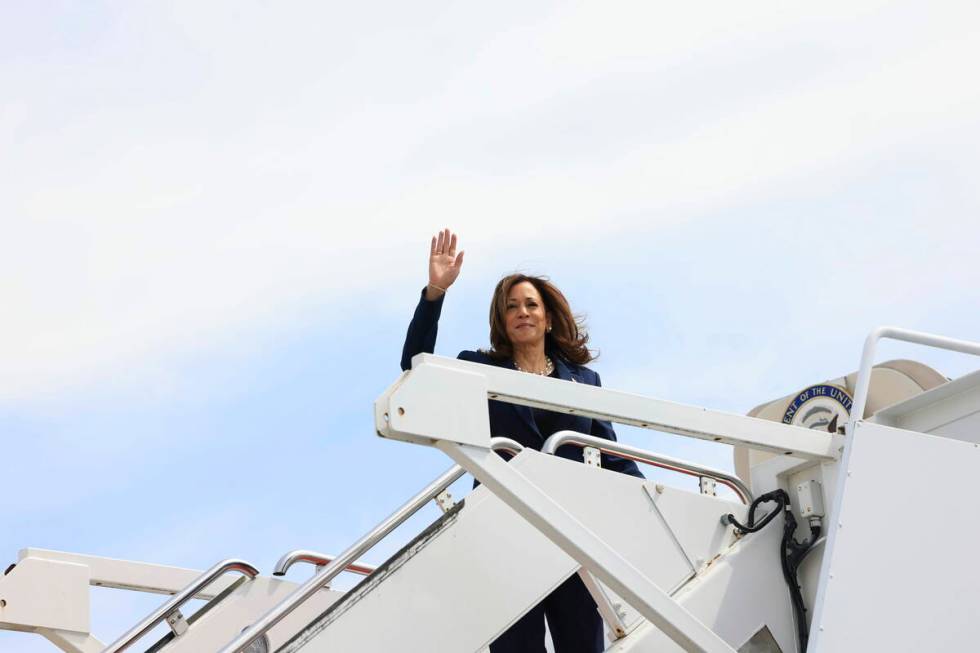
(825, 407)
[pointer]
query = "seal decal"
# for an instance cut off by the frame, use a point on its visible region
(821, 406)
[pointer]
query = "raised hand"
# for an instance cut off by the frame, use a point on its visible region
(444, 264)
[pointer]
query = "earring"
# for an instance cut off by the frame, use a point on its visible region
(548, 329)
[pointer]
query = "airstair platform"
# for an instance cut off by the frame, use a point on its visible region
(838, 542)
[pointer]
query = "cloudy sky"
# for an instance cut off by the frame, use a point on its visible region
(215, 221)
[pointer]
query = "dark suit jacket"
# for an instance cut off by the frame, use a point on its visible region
(510, 420)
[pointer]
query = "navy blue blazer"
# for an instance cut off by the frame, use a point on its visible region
(510, 420)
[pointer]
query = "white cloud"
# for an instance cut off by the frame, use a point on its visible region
(192, 173)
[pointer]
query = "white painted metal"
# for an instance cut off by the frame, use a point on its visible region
(71, 641)
(809, 499)
(243, 607)
(612, 614)
(45, 593)
(898, 574)
(701, 472)
(461, 588)
(444, 500)
(589, 550)
(169, 611)
(48, 592)
(437, 401)
(131, 575)
(708, 486)
(694, 526)
(868, 356)
(735, 596)
(453, 591)
(895, 557)
(951, 410)
(309, 589)
(347, 557)
(592, 456)
(435, 389)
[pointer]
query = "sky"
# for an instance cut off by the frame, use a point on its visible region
(215, 221)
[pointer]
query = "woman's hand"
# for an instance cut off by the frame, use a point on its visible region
(444, 264)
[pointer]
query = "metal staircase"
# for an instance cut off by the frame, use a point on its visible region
(667, 568)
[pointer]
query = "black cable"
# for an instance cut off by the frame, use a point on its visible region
(779, 496)
(791, 552)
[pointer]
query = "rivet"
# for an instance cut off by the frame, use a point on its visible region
(401, 411)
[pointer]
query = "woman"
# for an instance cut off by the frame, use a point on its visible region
(532, 330)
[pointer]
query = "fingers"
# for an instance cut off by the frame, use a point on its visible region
(443, 243)
(459, 259)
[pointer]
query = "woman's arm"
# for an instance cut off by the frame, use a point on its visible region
(444, 267)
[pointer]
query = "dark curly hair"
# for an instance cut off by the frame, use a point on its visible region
(567, 338)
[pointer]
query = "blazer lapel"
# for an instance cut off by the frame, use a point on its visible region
(523, 413)
(561, 369)
(563, 372)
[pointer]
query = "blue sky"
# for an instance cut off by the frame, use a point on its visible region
(216, 221)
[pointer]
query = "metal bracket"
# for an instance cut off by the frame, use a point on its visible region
(177, 622)
(708, 486)
(445, 501)
(592, 456)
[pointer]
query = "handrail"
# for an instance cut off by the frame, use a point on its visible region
(308, 589)
(161, 613)
(318, 559)
(641, 455)
(863, 382)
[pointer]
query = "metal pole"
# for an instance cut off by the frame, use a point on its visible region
(158, 615)
(279, 611)
(560, 438)
(863, 382)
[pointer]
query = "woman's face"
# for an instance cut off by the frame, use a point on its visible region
(525, 318)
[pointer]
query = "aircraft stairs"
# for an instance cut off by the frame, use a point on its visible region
(670, 569)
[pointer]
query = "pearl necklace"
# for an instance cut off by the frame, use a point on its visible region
(549, 367)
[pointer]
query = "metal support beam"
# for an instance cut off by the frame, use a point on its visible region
(453, 379)
(586, 548)
(70, 641)
(609, 612)
(131, 575)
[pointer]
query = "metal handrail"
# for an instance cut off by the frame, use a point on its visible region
(863, 382)
(318, 559)
(641, 455)
(161, 613)
(308, 589)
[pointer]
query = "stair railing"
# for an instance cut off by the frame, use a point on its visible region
(308, 589)
(170, 611)
(561, 438)
(318, 559)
